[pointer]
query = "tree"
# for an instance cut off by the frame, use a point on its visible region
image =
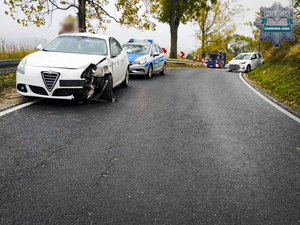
(35, 11)
(217, 19)
(174, 12)
(264, 47)
(295, 4)
(241, 43)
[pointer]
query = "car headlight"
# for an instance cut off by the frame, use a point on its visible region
(142, 61)
(243, 63)
(21, 66)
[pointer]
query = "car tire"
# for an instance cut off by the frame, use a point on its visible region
(107, 94)
(150, 72)
(164, 70)
(125, 83)
(248, 69)
(229, 70)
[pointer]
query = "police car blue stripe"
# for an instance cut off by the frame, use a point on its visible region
(159, 60)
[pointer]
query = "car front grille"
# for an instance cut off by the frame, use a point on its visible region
(234, 67)
(50, 79)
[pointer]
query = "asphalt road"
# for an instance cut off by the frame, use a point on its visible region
(192, 147)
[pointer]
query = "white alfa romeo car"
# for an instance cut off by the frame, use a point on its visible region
(245, 62)
(82, 66)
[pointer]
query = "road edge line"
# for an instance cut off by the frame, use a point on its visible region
(270, 101)
(10, 110)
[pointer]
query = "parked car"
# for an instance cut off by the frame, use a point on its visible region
(74, 66)
(245, 62)
(145, 58)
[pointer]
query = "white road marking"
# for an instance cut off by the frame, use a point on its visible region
(18, 107)
(270, 102)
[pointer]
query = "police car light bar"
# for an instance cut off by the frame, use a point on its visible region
(145, 40)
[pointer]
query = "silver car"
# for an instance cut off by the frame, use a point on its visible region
(145, 58)
(245, 62)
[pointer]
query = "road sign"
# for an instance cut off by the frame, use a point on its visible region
(196, 58)
(182, 54)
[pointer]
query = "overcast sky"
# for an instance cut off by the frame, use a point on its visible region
(187, 42)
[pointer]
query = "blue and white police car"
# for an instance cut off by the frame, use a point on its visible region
(145, 57)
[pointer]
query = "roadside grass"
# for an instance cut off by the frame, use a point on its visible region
(179, 65)
(14, 51)
(281, 79)
(7, 81)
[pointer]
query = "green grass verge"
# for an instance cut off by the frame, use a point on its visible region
(281, 79)
(7, 81)
(178, 65)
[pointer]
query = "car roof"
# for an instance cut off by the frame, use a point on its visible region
(102, 36)
(249, 53)
(141, 43)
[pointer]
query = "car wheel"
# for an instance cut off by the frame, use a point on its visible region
(125, 83)
(248, 69)
(150, 72)
(164, 70)
(229, 70)
(108, 91)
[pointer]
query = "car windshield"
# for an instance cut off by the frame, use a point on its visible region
(139, 49)
(78, 45)
(212, 57)
(243, 57)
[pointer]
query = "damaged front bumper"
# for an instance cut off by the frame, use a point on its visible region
(56, 83)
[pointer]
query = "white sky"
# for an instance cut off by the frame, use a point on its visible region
(13, 32)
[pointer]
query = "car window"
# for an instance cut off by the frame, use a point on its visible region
(115, 47)
(153, 50)
(157, 49)
(254, 56)
(118, 45)
(77, 45)
(259, 56)
(243, 57)
(160, 50)
(212, 57)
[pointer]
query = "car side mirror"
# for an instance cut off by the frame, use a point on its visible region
(39, 47)
(155, 54)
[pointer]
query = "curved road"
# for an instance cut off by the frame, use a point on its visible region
(192, 147)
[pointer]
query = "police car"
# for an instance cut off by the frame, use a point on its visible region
(145, 57)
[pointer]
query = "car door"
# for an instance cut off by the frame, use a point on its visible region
(254, 61)
(152, 59)
(158, 60)
(161, 58)
(123, 58)
(116, 67)
(260, 59)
